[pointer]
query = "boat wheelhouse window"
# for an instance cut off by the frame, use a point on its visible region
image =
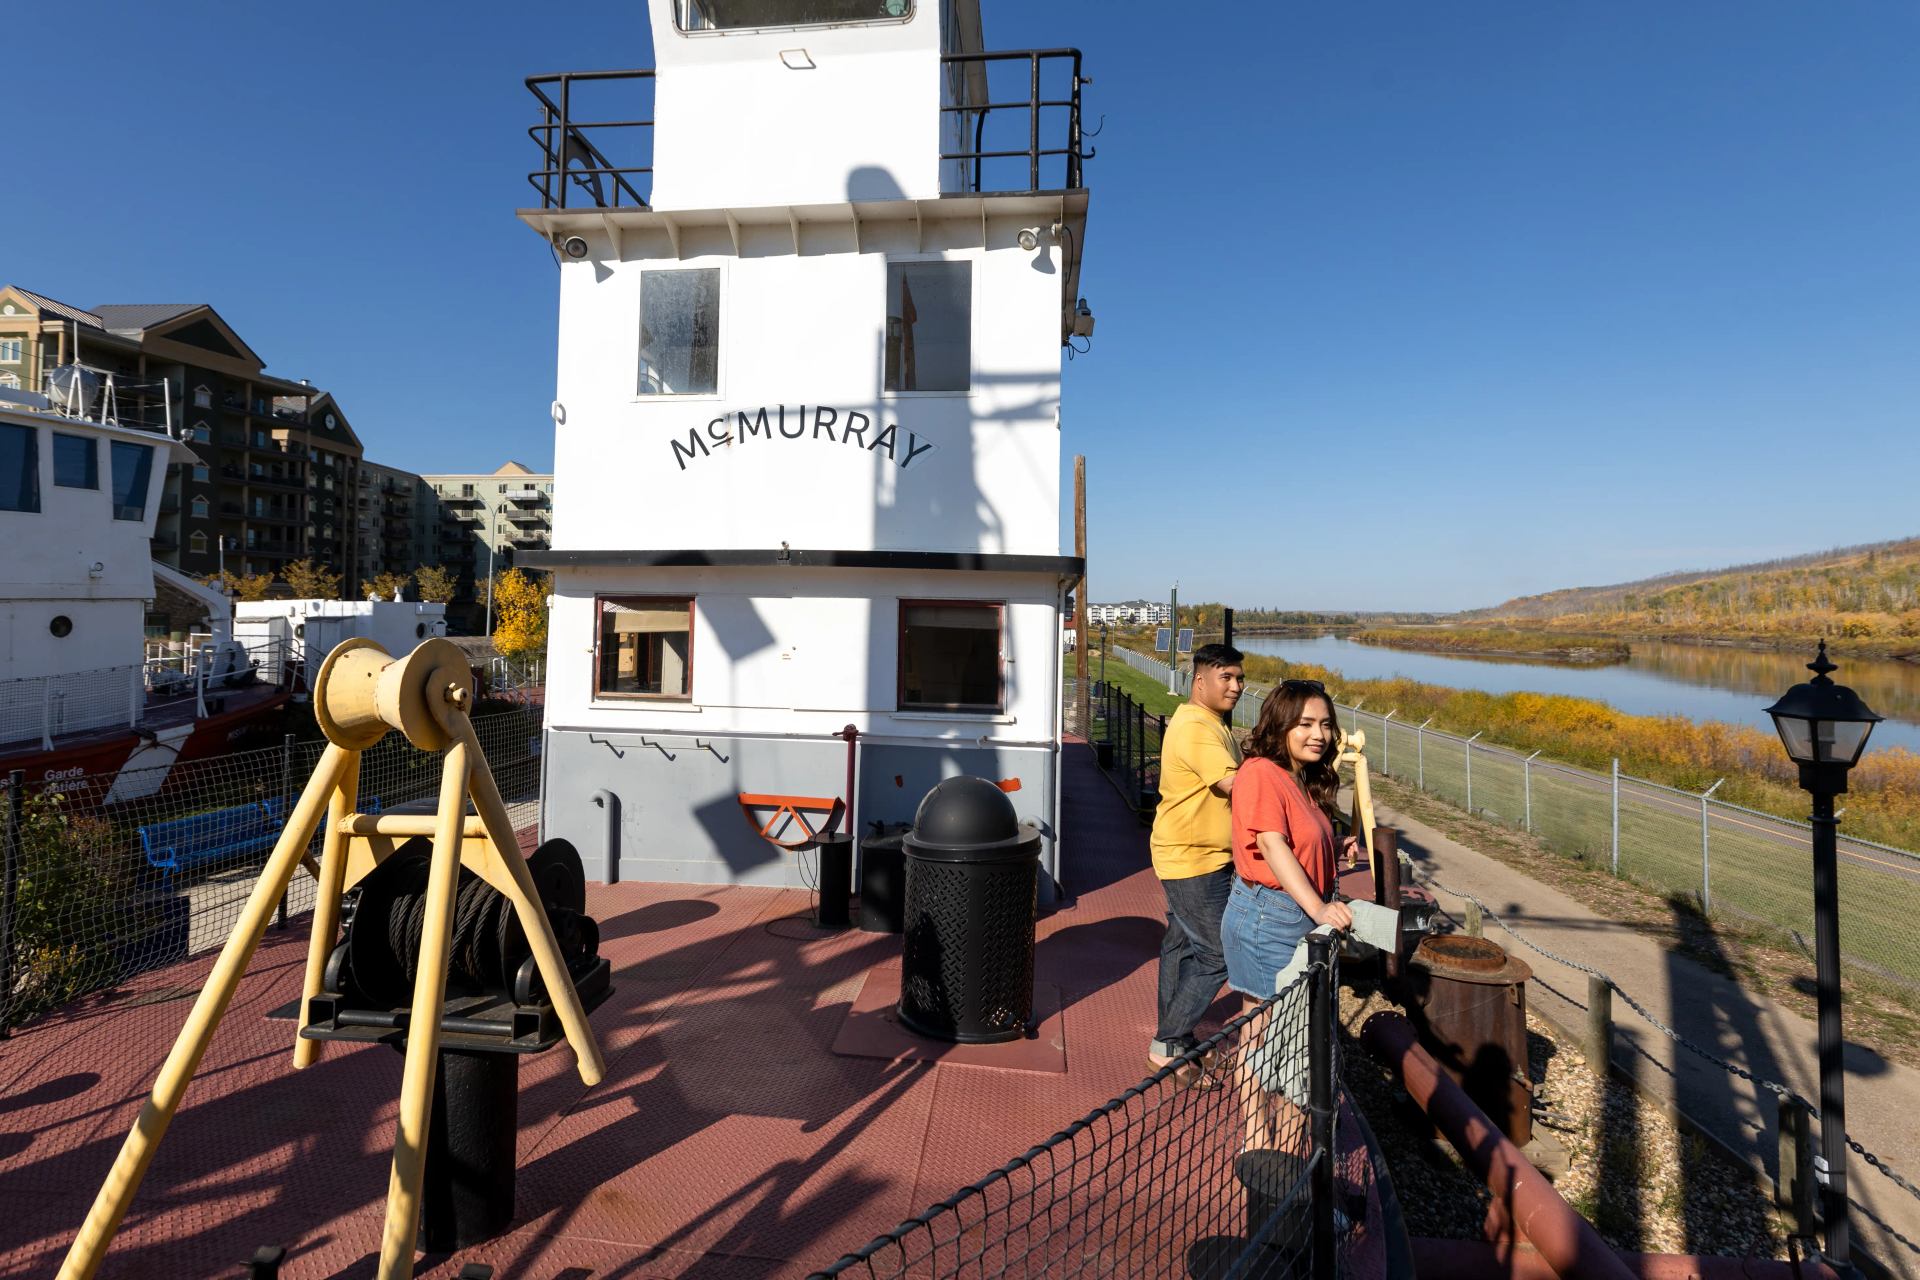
(643, 648)
(132, 470)
(19, 468)
(950, 656)
(680, 332)
(929, 326)
(76, 462)
(737, 15)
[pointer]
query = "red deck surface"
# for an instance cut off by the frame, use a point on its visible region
(729, 1139)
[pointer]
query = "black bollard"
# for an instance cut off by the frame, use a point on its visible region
(468, 1196)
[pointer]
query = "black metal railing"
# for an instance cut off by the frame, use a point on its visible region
(979, 118)
(1242, 1179)
(597, 163)
(570, 158)
(1126, 739)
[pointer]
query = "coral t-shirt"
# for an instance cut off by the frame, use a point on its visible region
(1266, 798)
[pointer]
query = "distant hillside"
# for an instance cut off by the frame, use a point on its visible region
(1867, 597)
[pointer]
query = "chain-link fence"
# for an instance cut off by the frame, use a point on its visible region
(1241, 1159)
(96, 889)
(1722, 857)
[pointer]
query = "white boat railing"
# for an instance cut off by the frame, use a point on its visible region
(48, 708)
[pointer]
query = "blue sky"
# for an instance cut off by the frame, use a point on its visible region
(1401, 305)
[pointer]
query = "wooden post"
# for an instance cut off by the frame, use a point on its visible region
(1386, 886)
(1083, 690)
(1793, 1190)
(1476, 928)
(1599, 1027)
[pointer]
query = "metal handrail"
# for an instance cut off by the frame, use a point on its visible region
(569, 157)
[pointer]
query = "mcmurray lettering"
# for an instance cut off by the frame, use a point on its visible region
(820, 424)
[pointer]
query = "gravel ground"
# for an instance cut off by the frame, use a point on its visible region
(1644, 1185)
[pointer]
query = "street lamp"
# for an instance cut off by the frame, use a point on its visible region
(493, 536)
(1825, 727)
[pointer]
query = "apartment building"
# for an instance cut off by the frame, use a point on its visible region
(1130, 613)
(397, 520)
(269, 466)
(486, 519)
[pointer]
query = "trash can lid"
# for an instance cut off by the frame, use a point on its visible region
(969, 819)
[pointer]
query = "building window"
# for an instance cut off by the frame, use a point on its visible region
(197, 543)
(201, 435)
(9, 351)
(76, 462)
(132, 472)
(200, 472)
(950, 656)
(199, 508)
(707, 15)
(929, 326)
(19, 468)
(680, 332)
(10, 380)
(202, 398)
(644, 648)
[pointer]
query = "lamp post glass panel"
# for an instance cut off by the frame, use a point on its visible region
(1825, 728)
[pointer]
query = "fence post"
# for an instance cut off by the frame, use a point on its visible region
(1793, 1189)
(46, 713)
(1386, 736)
(1616, 815)
(1420, 752)
(1320, 1096)
(1526, 781)
(9, 893)
(1706, 860)
(1470, 771)
(286, 802)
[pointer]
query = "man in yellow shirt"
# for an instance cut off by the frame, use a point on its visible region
(1191, 843)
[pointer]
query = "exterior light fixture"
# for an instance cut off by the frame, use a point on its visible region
(574, 247)
(1825, 727)
(1029, 238)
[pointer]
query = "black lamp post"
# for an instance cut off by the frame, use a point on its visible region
(1825, 726)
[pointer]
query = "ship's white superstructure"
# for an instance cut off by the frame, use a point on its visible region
(807, 415)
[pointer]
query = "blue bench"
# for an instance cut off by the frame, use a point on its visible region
(218, 835)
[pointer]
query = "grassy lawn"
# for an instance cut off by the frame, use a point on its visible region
(1138, 685)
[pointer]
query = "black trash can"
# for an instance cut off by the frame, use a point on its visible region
(883, 879)
(973, 882)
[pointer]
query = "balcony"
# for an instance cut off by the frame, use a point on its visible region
(274, 515)
(528, 519)
(525, 541)
(464, 500)
(523, 495)
(276, 480)
(1019, 110)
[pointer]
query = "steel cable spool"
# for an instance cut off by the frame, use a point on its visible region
(379, 958)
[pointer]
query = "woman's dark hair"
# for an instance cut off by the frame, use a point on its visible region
(1320, 779)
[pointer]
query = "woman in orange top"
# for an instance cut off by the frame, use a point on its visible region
(1283, 841)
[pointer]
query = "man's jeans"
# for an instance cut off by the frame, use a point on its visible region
(1192, 970)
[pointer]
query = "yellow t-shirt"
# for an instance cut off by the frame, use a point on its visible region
(1193, 826)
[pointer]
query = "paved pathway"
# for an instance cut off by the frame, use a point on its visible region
(1883, 1098)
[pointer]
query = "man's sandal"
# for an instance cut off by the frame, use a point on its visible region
(1186, 1075)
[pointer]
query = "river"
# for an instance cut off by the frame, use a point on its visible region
(1700, 682)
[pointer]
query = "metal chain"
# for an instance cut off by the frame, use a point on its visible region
(1772, 1086)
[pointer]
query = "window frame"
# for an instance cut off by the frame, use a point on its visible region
(621, 699)
(197, 543)
(719, 343)
(93, 461)
(970, 709)
(19, 347)
(680, 10)
(886, 314)
(114, 448)
(30, 470)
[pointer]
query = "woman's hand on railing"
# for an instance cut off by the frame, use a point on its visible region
(1334, 915)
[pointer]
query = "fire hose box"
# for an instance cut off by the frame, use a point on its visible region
(973, 879)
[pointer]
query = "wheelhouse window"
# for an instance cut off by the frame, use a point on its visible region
(644, 648)
(950, 656)
(132, 471)
(19, 468)
(737, 15)
(680, 332)
(76, 462)
(929, 326)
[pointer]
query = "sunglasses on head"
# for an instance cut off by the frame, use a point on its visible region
(1313, 686)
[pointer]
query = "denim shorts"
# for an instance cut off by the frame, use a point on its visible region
(1259, 933)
